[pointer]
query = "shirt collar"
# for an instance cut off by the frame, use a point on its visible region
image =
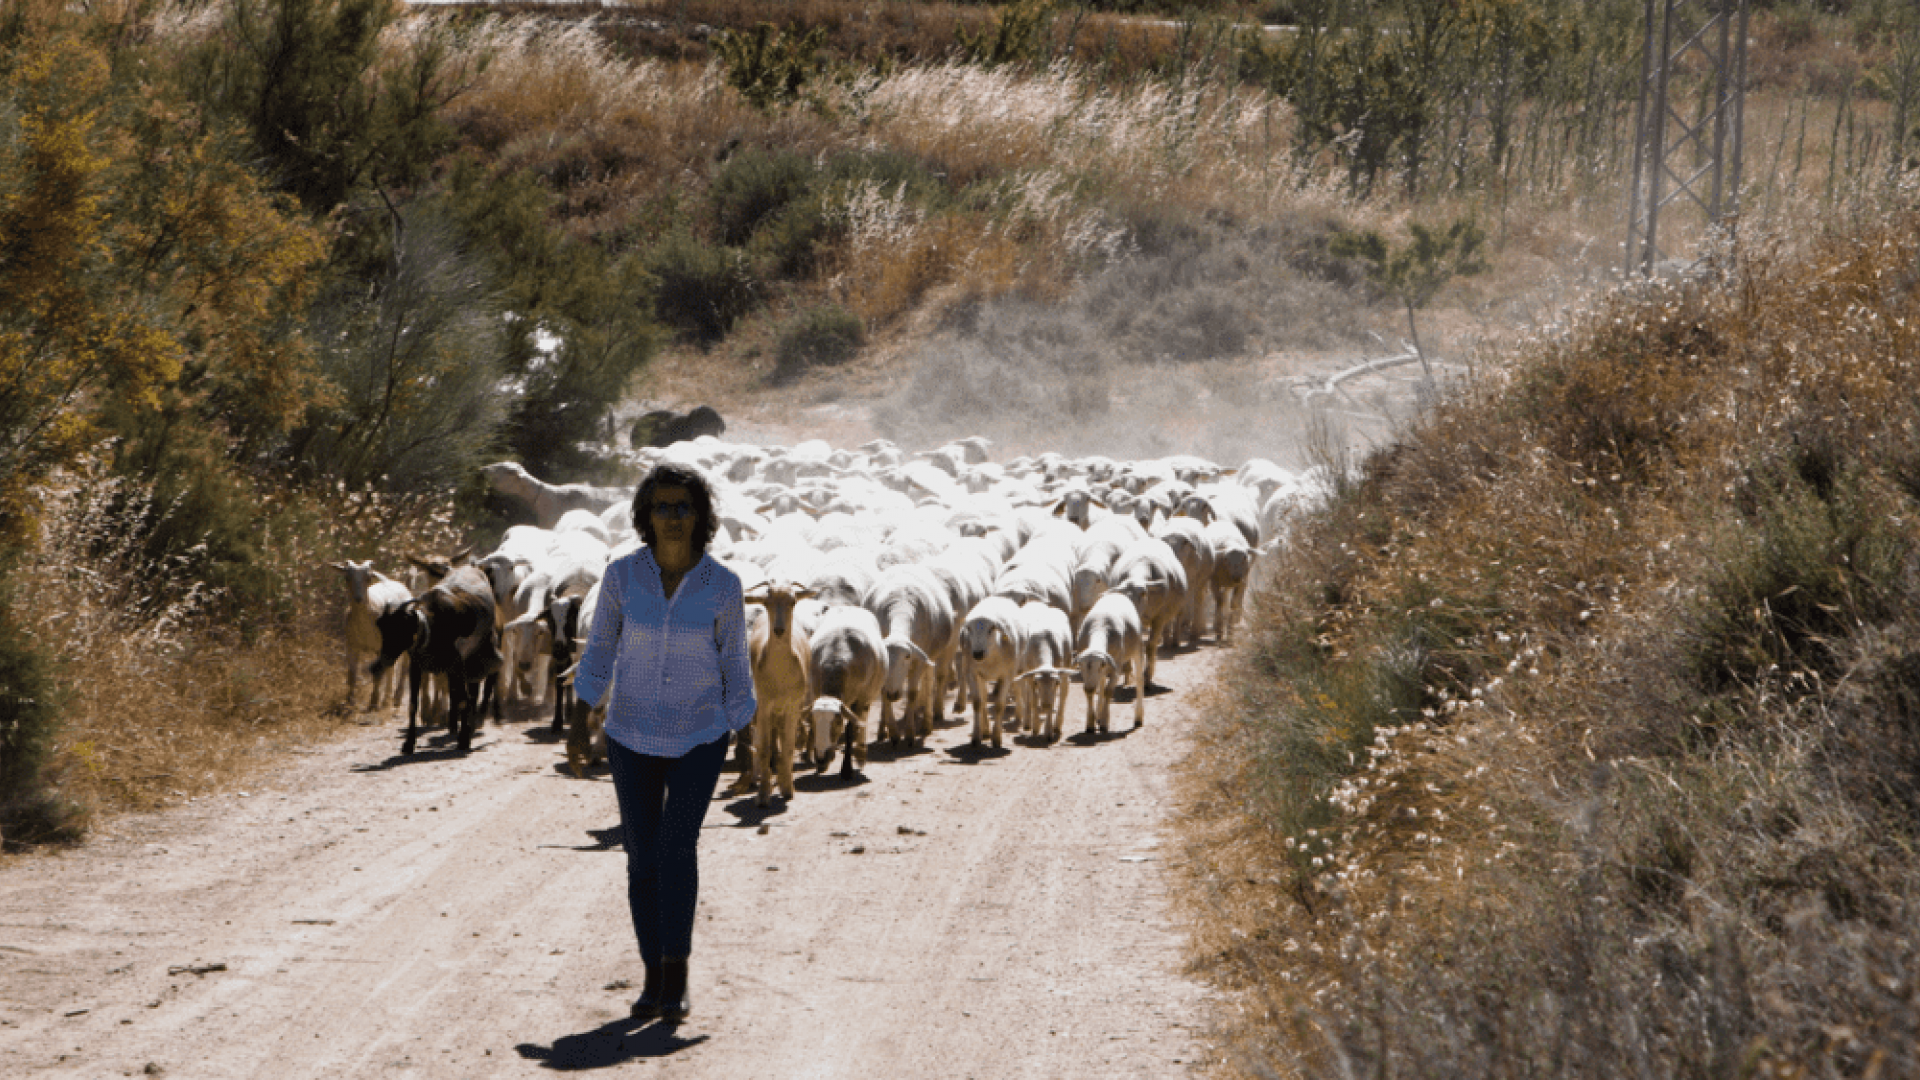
(646, 558)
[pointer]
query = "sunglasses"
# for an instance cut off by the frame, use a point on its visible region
(673, 509)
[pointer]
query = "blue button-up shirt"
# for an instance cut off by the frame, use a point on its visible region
(680, 671)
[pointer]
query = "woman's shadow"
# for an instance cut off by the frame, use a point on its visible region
(609, 1045)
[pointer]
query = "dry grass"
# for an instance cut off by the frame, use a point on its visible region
(165, 700)
(1049, 174)
(1575, 738)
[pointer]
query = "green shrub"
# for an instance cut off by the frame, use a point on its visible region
(415, 356)
(1414, 273)
(790, 245)
(1817, 557)
(820, 337)
(754, 186)
(891, 170)
(767, 65)
(1019, 34)
(330, 113)
(31, 811)
(699, 290)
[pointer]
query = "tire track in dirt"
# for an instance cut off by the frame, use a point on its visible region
(956, 915)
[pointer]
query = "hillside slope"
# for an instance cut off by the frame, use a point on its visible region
(1580, 736)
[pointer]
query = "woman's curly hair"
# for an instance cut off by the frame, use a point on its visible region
(705, 523)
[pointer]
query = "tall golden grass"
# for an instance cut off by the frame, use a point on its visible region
(1044, 160)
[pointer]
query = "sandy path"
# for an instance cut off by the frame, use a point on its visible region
(956, 915)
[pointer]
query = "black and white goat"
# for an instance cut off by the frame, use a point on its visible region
(447, 630)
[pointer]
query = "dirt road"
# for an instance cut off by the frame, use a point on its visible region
(359, 915)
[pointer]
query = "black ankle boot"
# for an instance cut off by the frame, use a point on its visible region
(674, 1002)
(648, 1006)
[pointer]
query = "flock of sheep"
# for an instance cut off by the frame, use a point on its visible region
(872, 576)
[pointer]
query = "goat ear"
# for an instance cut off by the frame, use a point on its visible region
(806, 594)
(1060, 508)
(421, 563)
(459, 558)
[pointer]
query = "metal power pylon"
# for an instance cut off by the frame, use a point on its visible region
(1681, 154)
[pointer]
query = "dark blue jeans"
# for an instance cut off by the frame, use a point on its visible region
(662, 803)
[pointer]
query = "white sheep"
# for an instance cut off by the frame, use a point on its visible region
(588, 522)
(573, 565)
(991, 641)
(1188, 539)
(509, 564)
(848, 669)
(916, 620)
(549, 501)
(1224, 502)
(1045, 649)
(1232, 567)
(1150, 574)
(1112, 647)
(1077, 504)
(1262, 477)
(967, 571)
(1100, 546)
(1041, 571)
(843, 577)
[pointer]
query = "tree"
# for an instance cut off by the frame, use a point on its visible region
(329, 110)
(578, 322)
(417, 357)
(1415, 272)
(146, 272)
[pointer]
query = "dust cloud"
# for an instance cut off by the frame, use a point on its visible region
(1195, 345)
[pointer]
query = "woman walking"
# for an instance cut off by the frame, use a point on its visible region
(669, 638)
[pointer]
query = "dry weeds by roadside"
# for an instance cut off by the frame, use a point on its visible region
(1574, 737)
(168, 694)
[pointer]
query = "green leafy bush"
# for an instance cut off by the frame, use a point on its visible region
(1814, 558)
(329, 112)
(820, 337)
(31, 812)
(1019, 34)
(700, 290)
(767, 65)
(790, 246)
(754, 186)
